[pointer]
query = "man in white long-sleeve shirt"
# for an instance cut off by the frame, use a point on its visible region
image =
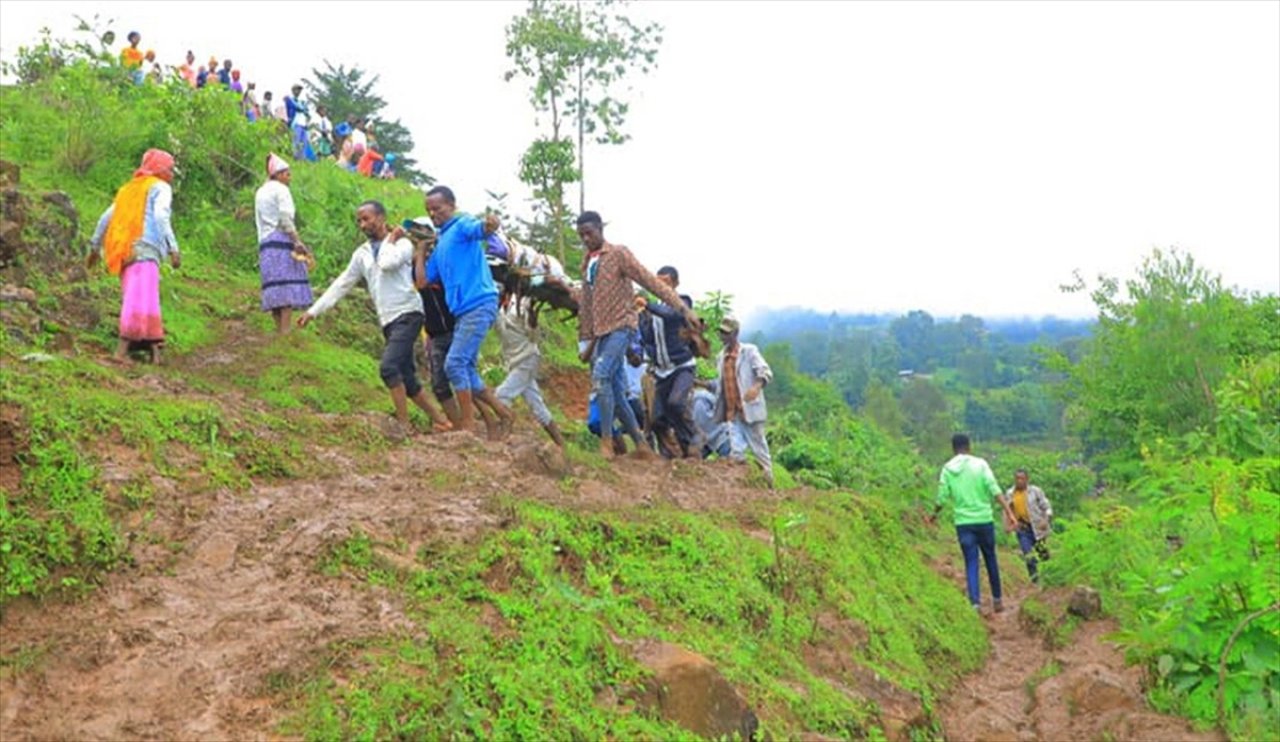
(387, 269)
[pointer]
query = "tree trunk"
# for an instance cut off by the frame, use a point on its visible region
(582, 150)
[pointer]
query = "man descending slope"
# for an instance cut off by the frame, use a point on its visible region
(740, 397)
(672, 364)
(384, 265)
(458, 263)
(607, 320)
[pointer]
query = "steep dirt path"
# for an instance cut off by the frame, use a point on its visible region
(225, 596)
(1030, 690)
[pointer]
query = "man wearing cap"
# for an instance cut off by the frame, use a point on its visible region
(740, 396)
(458, 263)
(385, 266)
(607, 320)
(672, 364)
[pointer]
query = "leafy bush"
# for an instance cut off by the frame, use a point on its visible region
(1178, 394)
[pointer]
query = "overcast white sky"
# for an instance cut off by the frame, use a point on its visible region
(950, 156)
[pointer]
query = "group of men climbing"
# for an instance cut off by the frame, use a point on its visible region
(431, 277)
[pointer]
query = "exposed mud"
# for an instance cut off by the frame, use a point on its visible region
(1030, 690)
(12, 443)
(225, 592)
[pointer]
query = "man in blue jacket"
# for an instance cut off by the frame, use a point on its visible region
(672, 362)
(458, 263)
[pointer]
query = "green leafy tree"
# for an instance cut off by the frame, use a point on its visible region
(575, 58)
(882, 407)
(1159, 350)
(914, 332)
(928, 418)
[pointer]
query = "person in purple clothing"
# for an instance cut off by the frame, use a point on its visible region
(282, 257)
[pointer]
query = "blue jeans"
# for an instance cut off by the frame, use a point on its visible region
(974, 538)
(1027, 543)
(610, 381)
(468, 332)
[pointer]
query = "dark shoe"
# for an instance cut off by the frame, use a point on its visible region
(998, 605)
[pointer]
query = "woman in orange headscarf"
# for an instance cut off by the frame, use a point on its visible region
(134, 235)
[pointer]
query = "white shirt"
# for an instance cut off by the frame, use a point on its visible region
(519, 341)
(389, 277)
(359, 139)
(273, 209)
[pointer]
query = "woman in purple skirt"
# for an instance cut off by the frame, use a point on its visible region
(282, 258)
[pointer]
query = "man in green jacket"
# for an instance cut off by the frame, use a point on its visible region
(967, 484)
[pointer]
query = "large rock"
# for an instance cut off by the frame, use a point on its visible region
(1085, 603)
(1095, 690)
(540, 458)
(688, 690)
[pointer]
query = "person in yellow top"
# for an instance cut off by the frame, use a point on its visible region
(131, 57)
(1032, 520)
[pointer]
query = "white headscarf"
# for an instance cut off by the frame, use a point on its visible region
(275, 165)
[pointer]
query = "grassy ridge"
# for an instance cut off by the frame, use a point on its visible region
(235, 406)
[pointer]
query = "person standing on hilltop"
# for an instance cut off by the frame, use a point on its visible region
(1032, 522)
(131, 57)
(458, 263)
(187, 71)
(133, 236)
(299, 118)
(740, 397)
(607, 321)
(385, 266)
(282, 258)
(967, 484)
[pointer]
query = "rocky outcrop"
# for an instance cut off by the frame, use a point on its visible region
(688, 690)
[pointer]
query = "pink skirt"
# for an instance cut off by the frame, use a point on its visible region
(140, 303)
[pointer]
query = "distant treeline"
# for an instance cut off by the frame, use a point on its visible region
(921, 376)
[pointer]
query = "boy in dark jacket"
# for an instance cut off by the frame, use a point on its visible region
(672, 363)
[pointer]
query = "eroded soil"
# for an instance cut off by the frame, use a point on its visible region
(1031, 690)
(225, 595)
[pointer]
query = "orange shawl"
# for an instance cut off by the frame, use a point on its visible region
(126, 221)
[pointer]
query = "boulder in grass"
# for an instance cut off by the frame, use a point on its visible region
(1086, 603)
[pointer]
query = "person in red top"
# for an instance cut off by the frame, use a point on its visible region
(365, 166)
(607, 320)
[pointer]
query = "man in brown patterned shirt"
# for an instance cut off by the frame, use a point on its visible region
(607, 320)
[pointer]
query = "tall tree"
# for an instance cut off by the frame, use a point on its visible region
(350, 92)
(575, 58)
(616, 47)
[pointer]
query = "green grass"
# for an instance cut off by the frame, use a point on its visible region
(522, 631)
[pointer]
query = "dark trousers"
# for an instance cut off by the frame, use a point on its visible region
(437, 351)
(671, 405)
(397, 365)
(978, 538)
(1030, 550)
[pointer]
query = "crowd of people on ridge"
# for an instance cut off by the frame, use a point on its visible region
(351, 144)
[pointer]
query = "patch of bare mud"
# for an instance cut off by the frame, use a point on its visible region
(182, 645)
(1030, 691)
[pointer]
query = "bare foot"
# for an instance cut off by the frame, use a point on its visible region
(606, 449)
(441, 426)
(643, 453)
(493, 429)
